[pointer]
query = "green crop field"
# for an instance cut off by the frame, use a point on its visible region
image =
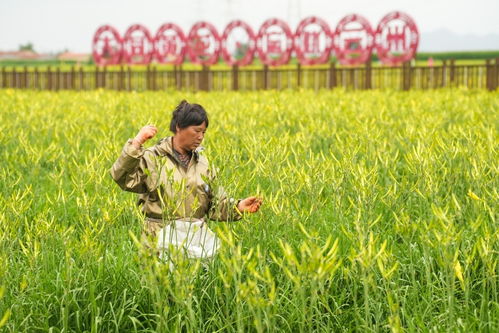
(421, 59)
(380, 214)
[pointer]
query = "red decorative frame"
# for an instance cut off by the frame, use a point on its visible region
(300, 34)
(194, 50)
(180, 54)
(250, 52)
(263, 53)
(396, 41)
(396, 37)
(343, 53)
(130, 54)
(116, 54)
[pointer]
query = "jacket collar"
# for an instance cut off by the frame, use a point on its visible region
(165, 146)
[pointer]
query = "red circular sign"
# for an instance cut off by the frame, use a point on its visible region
(170, 44)
(203, 44)
(353, 40)
(138, 45)
(397, 38)
(313, 41)
(107, 46)
(274, 42)
(238, 43)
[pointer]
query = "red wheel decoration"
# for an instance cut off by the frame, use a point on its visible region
(170, 44)
(274, 42)
(107, 46)
(353, 40)
(203, 44)
(138, 45)
(238, 43)
(397, 38)
(313, 41)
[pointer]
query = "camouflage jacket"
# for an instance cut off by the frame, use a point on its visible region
(169, 191)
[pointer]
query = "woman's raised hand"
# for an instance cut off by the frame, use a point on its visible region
(147, 132)
(249, 205)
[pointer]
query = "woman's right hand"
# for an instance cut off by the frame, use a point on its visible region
(147, 132)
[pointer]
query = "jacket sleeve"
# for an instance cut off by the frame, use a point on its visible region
(221, 207)
(135, 170)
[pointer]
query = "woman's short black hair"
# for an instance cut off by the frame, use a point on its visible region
(186, 114)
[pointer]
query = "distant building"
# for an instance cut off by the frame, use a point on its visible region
(70, 56)
(25, 55)
(17, 55)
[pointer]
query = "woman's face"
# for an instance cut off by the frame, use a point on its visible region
(191, 137)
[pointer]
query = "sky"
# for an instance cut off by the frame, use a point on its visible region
(55, 25)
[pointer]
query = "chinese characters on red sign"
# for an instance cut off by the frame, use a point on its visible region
(352, 42)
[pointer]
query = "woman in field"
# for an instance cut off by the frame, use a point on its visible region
(176, 184)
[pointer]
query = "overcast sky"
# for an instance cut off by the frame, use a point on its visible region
(54, 25)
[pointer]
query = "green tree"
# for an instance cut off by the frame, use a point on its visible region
(27, 47)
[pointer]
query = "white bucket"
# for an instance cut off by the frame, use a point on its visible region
(192, 238)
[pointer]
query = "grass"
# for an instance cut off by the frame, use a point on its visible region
(461, 58)
(380, 214)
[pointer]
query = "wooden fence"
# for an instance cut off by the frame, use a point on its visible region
(480, 76)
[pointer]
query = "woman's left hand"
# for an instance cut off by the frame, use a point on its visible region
(249, 205)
